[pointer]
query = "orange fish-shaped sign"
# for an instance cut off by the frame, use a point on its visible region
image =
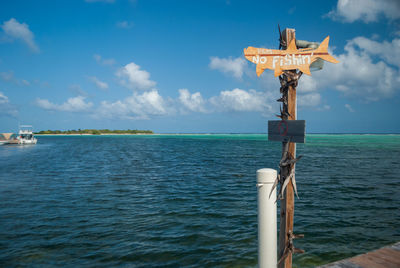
(289, 59)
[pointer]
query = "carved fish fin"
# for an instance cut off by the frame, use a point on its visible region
(323, 48)
(328, 58)
(259, 70)
(305, 69)
(292, 45)
(278, 71)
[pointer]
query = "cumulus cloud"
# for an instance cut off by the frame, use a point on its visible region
(19, 31)
(231, 66)
(240, 100)
(99, 59)
(362, 73)
(136, 106)
(309, 99)
(3, 98)
(124, 24)
(365, 10)
(349, 108)
(388, 51)
(236, 100)
(98, 83)
(131, 76)
(6, 108)
(307, 84)
(149, 104)
(76, 104)
(192, 102)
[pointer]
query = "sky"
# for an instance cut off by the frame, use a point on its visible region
(178, 66)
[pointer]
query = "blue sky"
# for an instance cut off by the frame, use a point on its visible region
(178, 66)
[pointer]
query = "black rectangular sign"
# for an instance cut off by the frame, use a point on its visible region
(282, 130)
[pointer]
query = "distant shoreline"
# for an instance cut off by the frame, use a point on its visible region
(205, 134)
(102, 134)
(80, 132)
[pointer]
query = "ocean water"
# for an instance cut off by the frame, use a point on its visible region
(189, 200)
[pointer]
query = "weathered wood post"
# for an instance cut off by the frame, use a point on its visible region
(287, 203)
(288, 64)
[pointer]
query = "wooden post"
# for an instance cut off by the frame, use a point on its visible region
(287, 204)
(289, 65)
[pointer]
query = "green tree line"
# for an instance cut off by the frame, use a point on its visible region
(95, 131)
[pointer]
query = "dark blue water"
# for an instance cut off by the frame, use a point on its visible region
(189, 201)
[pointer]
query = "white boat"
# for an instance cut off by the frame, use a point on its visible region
(25, 135)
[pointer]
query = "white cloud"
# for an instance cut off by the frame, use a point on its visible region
(361, 72)
(136, 106)
(99, 59)
(306, 84)
(124, 24)
(76, 104)
(131, 76)
(231, 66)
(309, 99)
(365, 10)
(244, 101)
(150, 103)
(324, 108)
(9, 77)
(3, 98)
(192, 102)
(98, 83)
(6, 108)
(236, 100)
(15, 30)
(307, 95)
(349, 108)
(389, 51)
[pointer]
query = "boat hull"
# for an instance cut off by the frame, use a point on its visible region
(23, 142)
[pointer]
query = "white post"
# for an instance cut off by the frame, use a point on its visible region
(267, 224)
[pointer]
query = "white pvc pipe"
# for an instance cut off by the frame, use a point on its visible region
(267, 224)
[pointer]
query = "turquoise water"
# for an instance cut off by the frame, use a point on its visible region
(189, 200)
